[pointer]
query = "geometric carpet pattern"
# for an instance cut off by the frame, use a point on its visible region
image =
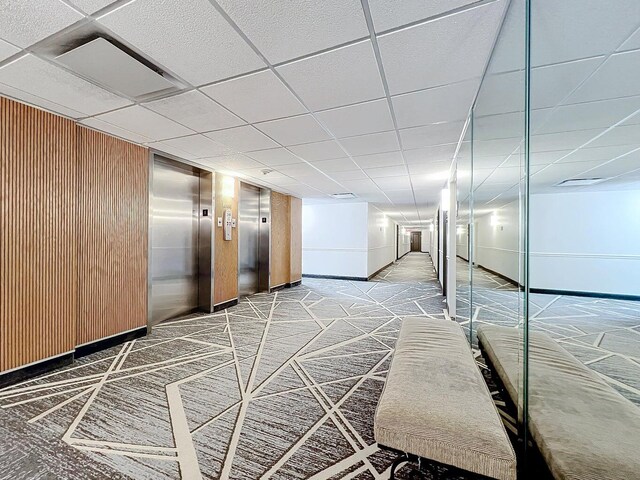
(602, 333)
(283, 385)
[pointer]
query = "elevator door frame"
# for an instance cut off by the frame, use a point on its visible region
(205, 232)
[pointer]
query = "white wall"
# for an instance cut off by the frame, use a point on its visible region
(425, 241)
(462, 241)
(404, 244)
(381, 240)
(586, 241)
(582, 241)
(334, 239)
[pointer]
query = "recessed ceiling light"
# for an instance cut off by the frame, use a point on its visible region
(343, 196)
(579, 182)
(110, 66)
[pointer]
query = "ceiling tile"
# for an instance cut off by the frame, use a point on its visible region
(313, 152)
(336, 165)
(429, 135)
(275, 157)
(7, 50)
(113, 130)
(171, 150)
(145, 122)
(196, 111)
(294, 130)
(393, 183)
(335, 78)
(298, 170)
(39, 102)
(256, 97)
(243, 139)
(349, 175)
(438, 153)
(563, 140)
(287, 30)
(25, 23)
(92, 6)
(447, 50)
(231, 162)
(428, 168)
(443, 104)
(199, 146)
(389, 14)
(361, 186)
(620, 135)
(617, 77)
(400, 196)
(375, 160)
(369, 144)
(360, 119)
(380, 172)
(191, 39)
(39, 78)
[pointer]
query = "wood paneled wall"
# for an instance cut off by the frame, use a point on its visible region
(226, 251)
(295, 221)
(280, 239)
(113, 219)
(38, 237)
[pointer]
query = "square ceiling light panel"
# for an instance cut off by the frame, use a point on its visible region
(24, 23)
(335, 78)
(190, 39)
(447, 50)
(111, 67)
(53, 84)
(256, 97)
(195, 110)
(287, 30)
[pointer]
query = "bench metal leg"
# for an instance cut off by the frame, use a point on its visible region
(402, 458)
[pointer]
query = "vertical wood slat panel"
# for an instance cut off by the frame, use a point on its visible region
(113, 198)
(38, 241)
(280, 239)
(226, 251)
(295, 221)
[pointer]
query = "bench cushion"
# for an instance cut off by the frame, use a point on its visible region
(583, 427)
(436, 404)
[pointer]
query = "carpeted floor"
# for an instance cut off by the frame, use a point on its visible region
(282, 386)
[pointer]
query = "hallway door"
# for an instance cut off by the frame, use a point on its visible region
(416, 241)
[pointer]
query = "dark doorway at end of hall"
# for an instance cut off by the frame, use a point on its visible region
(416, 241)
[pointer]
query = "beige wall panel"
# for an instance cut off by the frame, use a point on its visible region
(226, 251)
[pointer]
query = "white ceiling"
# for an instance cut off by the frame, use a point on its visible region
(365, 96)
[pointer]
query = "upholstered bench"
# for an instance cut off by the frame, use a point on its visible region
(436, 405)
(583, 428)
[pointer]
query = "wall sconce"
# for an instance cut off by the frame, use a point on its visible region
(228, 187)
(444, 201)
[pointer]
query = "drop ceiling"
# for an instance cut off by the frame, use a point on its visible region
(368, 96)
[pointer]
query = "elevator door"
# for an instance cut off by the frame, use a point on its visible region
(174, 244)
(248, 239)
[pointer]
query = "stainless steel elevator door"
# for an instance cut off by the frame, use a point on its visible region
(248, 239)
(174, 243)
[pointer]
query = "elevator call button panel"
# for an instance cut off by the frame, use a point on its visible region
(228, 224)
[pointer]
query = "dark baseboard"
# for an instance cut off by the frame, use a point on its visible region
(403, 255)
(335, 277)
(278, 288)
(503, 277)
(223, 305)
(294, 284)
(573, 293)
(376, 273)
(89, 348)
(25, 373)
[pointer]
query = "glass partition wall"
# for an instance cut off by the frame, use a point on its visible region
(548, 232)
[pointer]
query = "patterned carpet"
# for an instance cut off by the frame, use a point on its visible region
(282, 386)
(602, 333)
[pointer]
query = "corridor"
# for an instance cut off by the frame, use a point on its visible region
(283, 385)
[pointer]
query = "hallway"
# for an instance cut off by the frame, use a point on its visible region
(283, 385)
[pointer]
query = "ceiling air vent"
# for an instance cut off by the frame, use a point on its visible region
(343, 196)
(579, 182)
(105, 63)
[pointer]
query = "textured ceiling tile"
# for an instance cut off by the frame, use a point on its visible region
(389, 14)
(190, 38)
(294, 130)
(360, 119)
(375, 160)
(92, 6)
(40, 102)
(275, 157)
(243, 139)
(113, 130)
(256, 97)
(6, 50)
(196, 111)
(287, 30)
(336, 78)
(145, 122)
(24, 23)
(429, 135)
(313, 152)
(447, 50)
(199, 146)
(369, 144)
(39, 78)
